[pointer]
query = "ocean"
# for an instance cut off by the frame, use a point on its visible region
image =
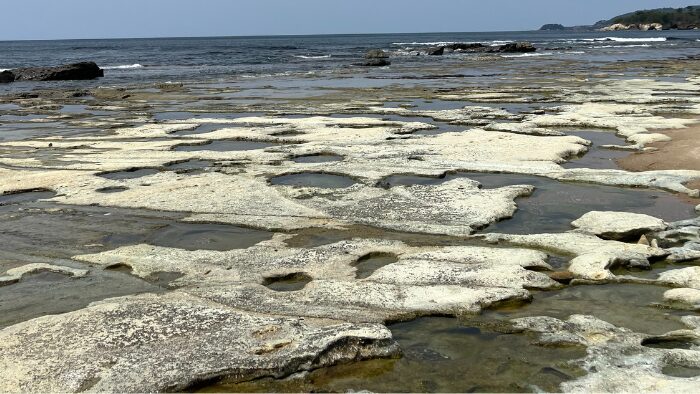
(325, 56)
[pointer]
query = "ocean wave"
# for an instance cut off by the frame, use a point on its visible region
(529, 54)
(626, 39)
(621, 46)
(433, 43)
(313, 57)
(123, 67)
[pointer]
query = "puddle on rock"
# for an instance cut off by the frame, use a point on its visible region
(367, 264)
(313, 179)
(112, 189)
(440, 355)
(24, 197)
(225, 146)
(29, 298)
(189, 166)
(554, 205)
(319, 158)
(133, 173)
(291, 282)
(198, 236)
(680, 371)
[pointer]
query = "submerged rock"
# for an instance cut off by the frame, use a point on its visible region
(683, 298)
(439, 51)
(517, 47)
(620, 360)
(6, 76)
(620, 226)
(376, 54)
(151, 343)
(15, 274)
(376, 63)
(75, 71)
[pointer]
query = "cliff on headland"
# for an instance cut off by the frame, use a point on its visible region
(686, 18)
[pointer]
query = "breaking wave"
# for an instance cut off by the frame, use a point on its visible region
(625, 39)
(123, 67)
(313, 57)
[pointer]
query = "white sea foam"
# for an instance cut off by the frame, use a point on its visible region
(313, 57)
(626, 39)
(434, 43)
(123, 67)
(622, 46)
(4, 69)
(529, 54)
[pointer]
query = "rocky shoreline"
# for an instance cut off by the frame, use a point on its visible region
(246, 232)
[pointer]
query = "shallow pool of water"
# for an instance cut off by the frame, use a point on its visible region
(203, 236)
(440, 355)
(291, 282)
(554, 205)
(225, 146)
(313, 179)
(132, 173)
(320, 158)
(24, 197)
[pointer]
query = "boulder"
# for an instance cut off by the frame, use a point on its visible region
(7, 76)
(376, 54)
(376, 63)
(465, 46)
(621, 226)
(75, 71)
(516, 47)
(436, 51)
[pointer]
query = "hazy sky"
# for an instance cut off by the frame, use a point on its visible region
(54, 19)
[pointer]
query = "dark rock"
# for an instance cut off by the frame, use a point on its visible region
(376, 63)
(376, 54)
(516, 47)
(437, 51)
(6, 77)
(462, 46)
(76, 71)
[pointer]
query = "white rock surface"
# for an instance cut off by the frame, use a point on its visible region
(618, 225)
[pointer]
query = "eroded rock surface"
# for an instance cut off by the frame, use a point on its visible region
(171, 342)
(620, 360)
(618, 225)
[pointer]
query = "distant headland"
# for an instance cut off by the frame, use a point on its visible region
(687, 18)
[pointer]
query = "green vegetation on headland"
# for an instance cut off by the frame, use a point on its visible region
(661, 18)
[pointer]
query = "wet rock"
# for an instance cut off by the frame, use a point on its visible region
(685, 277)
(76, 71)
(15, 274)
(424, 280)
(437, 51)
(7, 76)
(517, 47)
(564, 277)
(621, 226)
(151, 343)
(616, 354)
(376, 63)
(376, 54)
(465, 46)
(376, 58)
(683, 298)
(595, 257)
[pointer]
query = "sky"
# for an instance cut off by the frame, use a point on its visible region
(61, 19)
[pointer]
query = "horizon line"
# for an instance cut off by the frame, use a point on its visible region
(270, 35)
